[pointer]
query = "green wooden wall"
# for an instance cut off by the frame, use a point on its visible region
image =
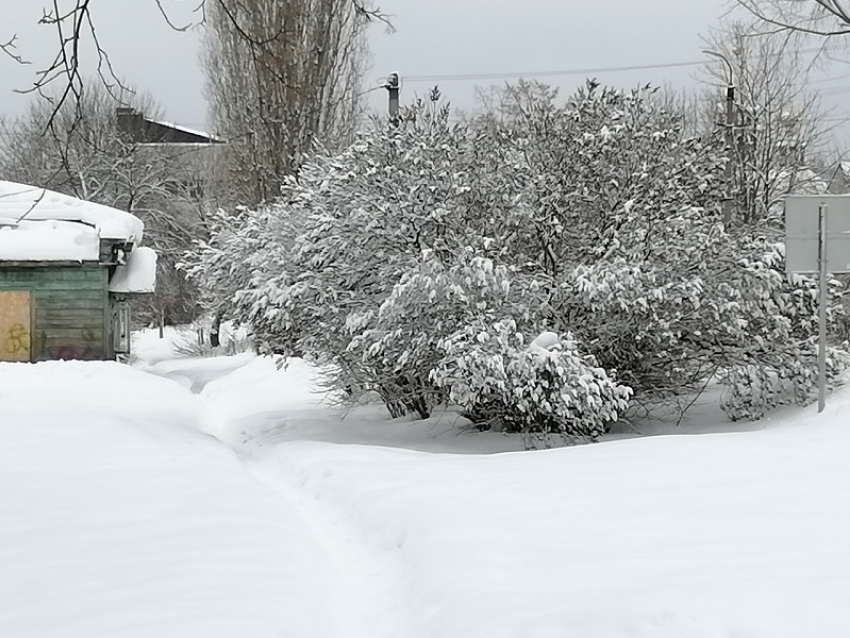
(70, 309)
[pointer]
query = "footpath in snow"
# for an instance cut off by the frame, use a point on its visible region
(223, 498)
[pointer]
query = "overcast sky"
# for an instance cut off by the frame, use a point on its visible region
(480, 37)
(434, 38)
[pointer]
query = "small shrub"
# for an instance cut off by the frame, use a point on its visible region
(752, 390)
(540, 389)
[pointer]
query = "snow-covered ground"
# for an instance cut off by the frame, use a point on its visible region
(224, 497)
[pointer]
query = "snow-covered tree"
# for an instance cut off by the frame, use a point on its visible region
(281, 74)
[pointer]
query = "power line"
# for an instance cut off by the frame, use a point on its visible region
(466, 77)
(507, 76)
(832, 79)
(837, 90)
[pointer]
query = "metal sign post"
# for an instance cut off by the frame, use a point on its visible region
(817, 240)
(822, 298)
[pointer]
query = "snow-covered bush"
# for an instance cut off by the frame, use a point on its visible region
(608, 174)
(193, 340)
(723, 313)
(367, 215)
(775, 362)
(545, 387)
(598, 218)
(404, 337)
(753, 389)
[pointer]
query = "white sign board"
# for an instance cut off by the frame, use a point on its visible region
(801, 233)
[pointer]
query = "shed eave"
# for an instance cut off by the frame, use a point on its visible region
(42, 263)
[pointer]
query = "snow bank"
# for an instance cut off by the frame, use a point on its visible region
(48, 241)
(260, 404)
(138, 275)
(679, 537)
(150, 349)
(120, 519)
(670, 536)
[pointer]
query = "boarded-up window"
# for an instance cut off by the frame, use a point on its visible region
(15, 325)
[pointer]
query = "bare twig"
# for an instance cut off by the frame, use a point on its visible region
(9, 47)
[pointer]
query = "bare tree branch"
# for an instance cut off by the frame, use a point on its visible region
(9, 47)
(826, 18)
(168, 19)
(75, 26)
(779, 125)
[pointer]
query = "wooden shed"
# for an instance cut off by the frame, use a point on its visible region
(67, 270)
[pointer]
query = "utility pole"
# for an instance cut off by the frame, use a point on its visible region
(730, 145)
(728, 200)
(393, 86)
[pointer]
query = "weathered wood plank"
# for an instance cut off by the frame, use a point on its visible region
(88, 275)
(69, 286)
(53, 298)
(91, 291)
(59, 310)
(68, 343)
(84, 333)
(80, 273)
(68, 350)
(18, 276)
(92, 320)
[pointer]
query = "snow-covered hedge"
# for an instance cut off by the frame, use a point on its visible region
(599, 218)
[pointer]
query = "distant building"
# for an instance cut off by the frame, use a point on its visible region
(192, 152)
(143, 130)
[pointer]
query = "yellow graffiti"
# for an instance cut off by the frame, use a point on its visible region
(18, 340)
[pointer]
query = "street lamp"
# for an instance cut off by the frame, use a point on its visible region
(393, 85)
(730, 74)
(730, 131)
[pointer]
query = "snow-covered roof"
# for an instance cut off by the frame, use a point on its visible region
(138, 275)
(19, 201)
(48, 241)
(186, 129)
(42, 225)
